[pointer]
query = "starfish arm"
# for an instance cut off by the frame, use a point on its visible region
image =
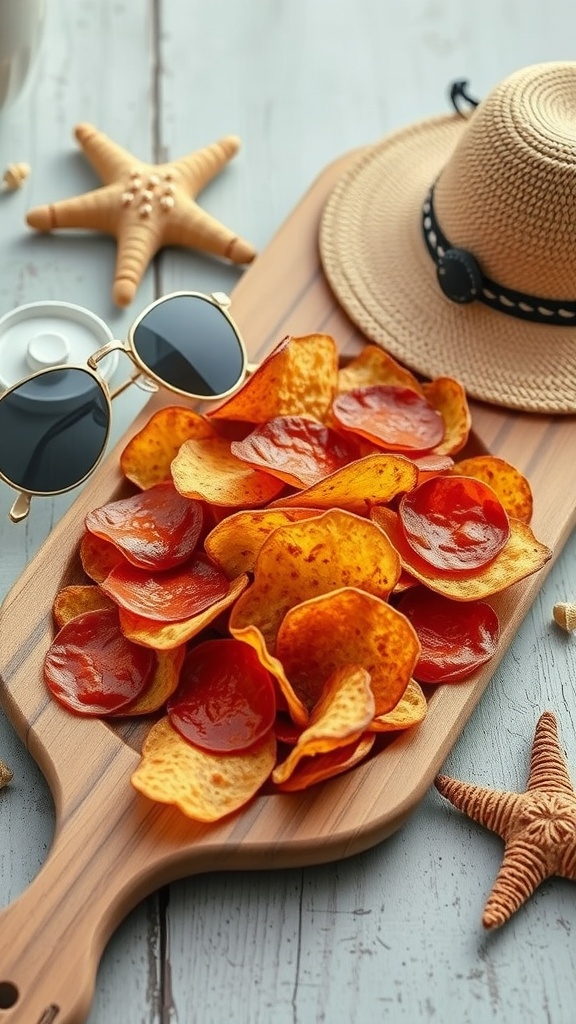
(198, 168)
(191, 226)
(567, 866)
(109, 160)
(523, 869)
(138, 243)
(548, 768)
(490, 807)
(95, 210)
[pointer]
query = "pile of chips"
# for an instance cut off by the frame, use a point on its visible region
(290, 571)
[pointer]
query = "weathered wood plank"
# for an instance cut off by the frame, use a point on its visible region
(95, 65)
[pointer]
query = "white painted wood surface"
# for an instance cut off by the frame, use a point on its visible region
(393, 934)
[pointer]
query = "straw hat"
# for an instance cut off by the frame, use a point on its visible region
(452, 243)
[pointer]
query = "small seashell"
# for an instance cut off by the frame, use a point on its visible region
(14, 176)
(565, 615)
(5, 775)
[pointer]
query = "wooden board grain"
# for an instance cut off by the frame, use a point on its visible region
(112, 846)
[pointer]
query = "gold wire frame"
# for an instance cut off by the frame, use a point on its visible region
(221, 302)
(21, 506)
(144, 376)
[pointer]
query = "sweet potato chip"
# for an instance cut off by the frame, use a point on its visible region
(309, 772)
(91, 668)
(154, 529)
(455, 523)
(372, 480)
(207, 470)
(164, 636)
(455, 638)
(508, 483)
(311, 557)
(204, 786)
(147, 457)
(170, 596)
(296, 449)
(162, 685)
(410, 710)
(75, 600)
(396, 418)
(298, 378)
(374, 366)
(347, 627)
(98, 556)
(235, 542)
(345, 708)
(448, 397)
(522, 555)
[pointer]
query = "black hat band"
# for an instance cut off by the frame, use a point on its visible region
(461, 279)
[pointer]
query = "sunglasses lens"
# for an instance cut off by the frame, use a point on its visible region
(189, 343)
(53, 430)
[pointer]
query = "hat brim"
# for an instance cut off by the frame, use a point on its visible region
(376, 263)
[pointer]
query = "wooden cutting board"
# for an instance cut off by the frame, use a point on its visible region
(112, 846)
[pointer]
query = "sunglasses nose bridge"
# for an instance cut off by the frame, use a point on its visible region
(101, 353)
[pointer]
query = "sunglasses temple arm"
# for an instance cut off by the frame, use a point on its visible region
(21, 507)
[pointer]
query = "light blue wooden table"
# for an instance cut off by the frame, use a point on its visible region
(393, 934)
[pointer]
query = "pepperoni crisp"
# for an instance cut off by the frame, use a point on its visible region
(454, 523)
(225, 701)
(455, 638)
(156, 529)
(92, 668)
(170, 596)
(395, 418)
(298, 450)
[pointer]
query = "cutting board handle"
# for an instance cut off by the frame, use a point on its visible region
(111, 849)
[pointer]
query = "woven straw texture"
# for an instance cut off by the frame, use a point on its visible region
(506, 190)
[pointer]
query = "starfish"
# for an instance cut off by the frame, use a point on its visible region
(146, 206)
(537, 826)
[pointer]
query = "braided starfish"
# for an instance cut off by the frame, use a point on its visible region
(538, 826)
(146, 206)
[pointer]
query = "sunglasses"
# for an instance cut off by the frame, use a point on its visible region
(54, 424)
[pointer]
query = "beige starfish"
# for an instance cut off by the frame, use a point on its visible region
(538, 826)
(146, 206)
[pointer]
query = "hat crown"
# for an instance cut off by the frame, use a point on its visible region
(508, 191)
